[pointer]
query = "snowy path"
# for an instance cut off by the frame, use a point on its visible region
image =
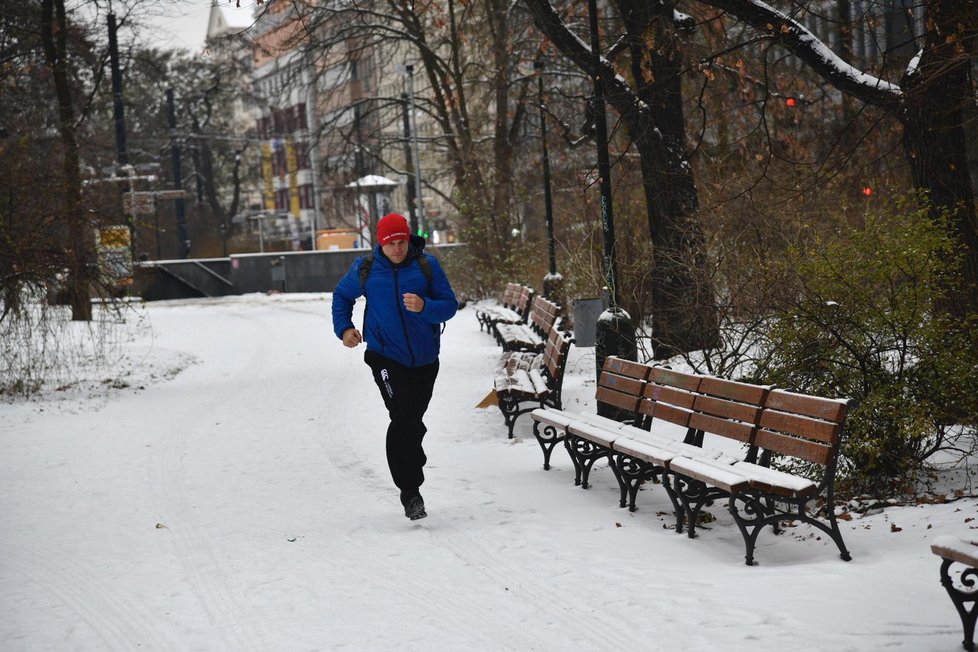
(245, 504)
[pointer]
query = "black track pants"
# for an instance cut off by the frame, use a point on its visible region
(406, 392)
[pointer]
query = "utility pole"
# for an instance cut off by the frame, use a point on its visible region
(119, 116)
(412, 193)
(183, 240)
(312, 131)
(552, 282)
(417, 155)
(118, 107)
(615, 334)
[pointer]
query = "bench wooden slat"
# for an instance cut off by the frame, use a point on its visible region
(666, 412)
(801, 448)
(670, 395)
(663, 376)
(737, 430)
(734, 390)
(727, 409)
(618, 399)
(718, 475)
(812, 406)
(643, 450)
(628, 368)
(800, 426)
(951, 547)
(773, 481)
(622, 384)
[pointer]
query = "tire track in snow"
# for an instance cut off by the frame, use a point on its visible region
(194, 547)
(109, 614)
(566, 611)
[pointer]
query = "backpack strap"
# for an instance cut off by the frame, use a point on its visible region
(368, 261)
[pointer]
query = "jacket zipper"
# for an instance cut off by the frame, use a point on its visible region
(400, 312)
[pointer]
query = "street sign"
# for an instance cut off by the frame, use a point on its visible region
(137, 203)
(143, 202)
(170, 194)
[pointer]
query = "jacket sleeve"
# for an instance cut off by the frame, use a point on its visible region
(440, 304)
(344, 296)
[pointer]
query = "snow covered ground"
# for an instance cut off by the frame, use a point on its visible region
(231, 493)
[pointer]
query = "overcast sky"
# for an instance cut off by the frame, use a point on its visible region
(183, 24)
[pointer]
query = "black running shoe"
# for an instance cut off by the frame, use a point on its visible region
(415, 508)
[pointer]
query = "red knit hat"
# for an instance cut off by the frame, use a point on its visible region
(393, 227)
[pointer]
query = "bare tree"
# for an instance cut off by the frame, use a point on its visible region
(470, 62)
(649, 103)
(931, 101)
(54, 36)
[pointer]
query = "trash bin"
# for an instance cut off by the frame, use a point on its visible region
(586, 313)
(278, 271)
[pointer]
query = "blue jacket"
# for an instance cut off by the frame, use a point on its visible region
(409, 338)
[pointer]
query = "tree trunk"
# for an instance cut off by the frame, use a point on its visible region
(683, 305)
(54, 35)
(937, 97)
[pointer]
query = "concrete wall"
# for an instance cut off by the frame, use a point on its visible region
(292, 271)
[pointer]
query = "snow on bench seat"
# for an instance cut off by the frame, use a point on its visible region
(951, 547)
(716, 474)
(773, 481)
(960, 585)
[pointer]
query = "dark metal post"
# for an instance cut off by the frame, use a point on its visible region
(552, 282)
(118, 108)
(119, 115)
(615, 334)
(419, 198)
(409, 163)
(182, 239)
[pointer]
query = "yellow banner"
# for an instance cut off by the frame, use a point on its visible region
(266, 172)
(292, 163)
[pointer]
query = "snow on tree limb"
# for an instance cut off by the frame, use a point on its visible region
(797, 39)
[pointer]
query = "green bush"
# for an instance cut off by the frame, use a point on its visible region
(865, 322)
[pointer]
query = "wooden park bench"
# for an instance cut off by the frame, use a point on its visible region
(525, 381)
(513, 310)
(531, 336)
(964, 591)
(671, 445)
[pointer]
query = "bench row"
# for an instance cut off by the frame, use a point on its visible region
(706, 439)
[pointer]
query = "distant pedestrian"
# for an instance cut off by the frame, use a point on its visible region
(408, 299)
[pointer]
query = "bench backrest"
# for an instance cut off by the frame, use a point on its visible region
(524, 300)
(511, 295)
(728, 408)
(554, 362)
(704, 404)
(802, 426)
(555, 354)
(669, 396)
(620, 386)
(543, 314)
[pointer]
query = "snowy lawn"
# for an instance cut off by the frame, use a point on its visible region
(232, 494)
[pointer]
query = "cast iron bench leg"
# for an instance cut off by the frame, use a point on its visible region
(962, 597)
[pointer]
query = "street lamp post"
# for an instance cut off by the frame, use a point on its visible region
(417, 155)
(615, 334)
(552, 282)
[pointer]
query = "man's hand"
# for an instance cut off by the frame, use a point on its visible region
(351, 337)
(413, 302)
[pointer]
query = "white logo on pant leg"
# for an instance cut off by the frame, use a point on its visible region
(386, 378)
